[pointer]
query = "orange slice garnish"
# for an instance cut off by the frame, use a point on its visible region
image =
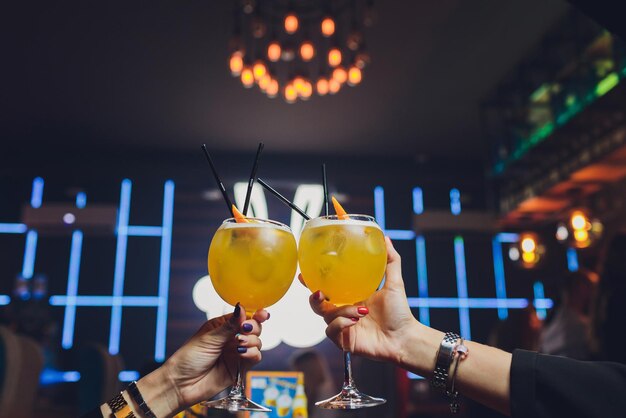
(239, 217)
(339, 210)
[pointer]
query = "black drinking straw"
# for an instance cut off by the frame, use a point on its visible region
(220, 185)
(252, 179)
(325, 189)
(283, 199)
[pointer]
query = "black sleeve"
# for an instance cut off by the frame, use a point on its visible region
(545, 386)
(94, 413)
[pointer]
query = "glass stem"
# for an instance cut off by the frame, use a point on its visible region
(348, 382)
(237, 391)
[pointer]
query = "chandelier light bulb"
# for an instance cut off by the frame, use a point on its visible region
(528, 245)
(290, 93)
(333, 86)
(307, 90)
(354, 75)
(298, 84)
(236, 64)
(328, 26)
(334, 57)
(340, 74)
(274, 51)
(291, 23)
(307, 51)
(247, 77)
(259, 70)
(264, 82)
(579, 220)
(322, 86)
(272, 89)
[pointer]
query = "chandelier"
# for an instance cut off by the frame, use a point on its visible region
(294, 48)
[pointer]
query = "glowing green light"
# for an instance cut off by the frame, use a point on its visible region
(606, 84)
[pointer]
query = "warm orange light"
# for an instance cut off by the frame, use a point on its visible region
(581, 235)
(322, 86)
(272, 89)
(291, 23)
(236, 64)
(290, 93)
(259, 70)
(340, 74)
(298, 84)
(334, 57)
(273, 51)
(307, 51)
(528, 245)
(307, 90)
(264, 82)
(529, 257)
(328, 26)
(247, 77)
(579, 220)
(333, 86)
(354, 75)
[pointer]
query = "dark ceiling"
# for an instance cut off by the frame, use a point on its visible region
(136, 73)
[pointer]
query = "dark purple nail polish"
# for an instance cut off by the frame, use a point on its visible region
(268, 315)
(246, 327)
(237, 311)
(242, 350)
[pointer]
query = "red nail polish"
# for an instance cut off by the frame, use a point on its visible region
(354, 319)
(362, 310)
(318, 295)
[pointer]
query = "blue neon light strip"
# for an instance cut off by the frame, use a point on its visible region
(12, 228)
(28, 267)
(507, 237)
(539, 295)
(128, 375)
(498, 272)
(67, 340)
(144, 231)
(5, 300)
(455, 201)
(127, 301)
(461, 285)
(422, 278)
(418, 201)
(51, 376)
(120, 266)
(164, 270)
(477, 303)
(81, 200)
(379, 206)
(400, 234)
(572, 259)
(37, 193)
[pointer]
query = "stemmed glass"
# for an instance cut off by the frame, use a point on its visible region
(253, 263)
(344, 257)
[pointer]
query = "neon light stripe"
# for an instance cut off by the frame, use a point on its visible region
(144, 231)
(37, 193)
(120, 266)
(51, 376)
(164, 270)
(498, 273)
(13, 228)
(477, 303)
(128, 375)
(5, 300)
(30, 251)
(418, 201)
(572, 259)
(461, 285)
(455, 201)
(72, 290)
(379, 206)
(400, 234)
(539, 295)
(127, 301)
(508, 237)
(81, 200)
(422, 277)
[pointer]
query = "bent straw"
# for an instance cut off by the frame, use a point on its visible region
(325, 189)
(252, 179)
(220, 185)
(283, 199)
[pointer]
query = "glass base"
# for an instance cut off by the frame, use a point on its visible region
(350, 398)
(235, 404)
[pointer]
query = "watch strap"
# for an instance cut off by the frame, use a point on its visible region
(120, 407)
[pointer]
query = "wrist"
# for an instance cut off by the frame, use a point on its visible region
(160, 393)
(418, 349)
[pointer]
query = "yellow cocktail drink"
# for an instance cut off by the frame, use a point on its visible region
(253, 263)
(344, 258)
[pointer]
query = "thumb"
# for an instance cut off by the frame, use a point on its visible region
(393, 272)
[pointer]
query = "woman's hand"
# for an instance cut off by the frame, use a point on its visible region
(376, 326)
(206, 364)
